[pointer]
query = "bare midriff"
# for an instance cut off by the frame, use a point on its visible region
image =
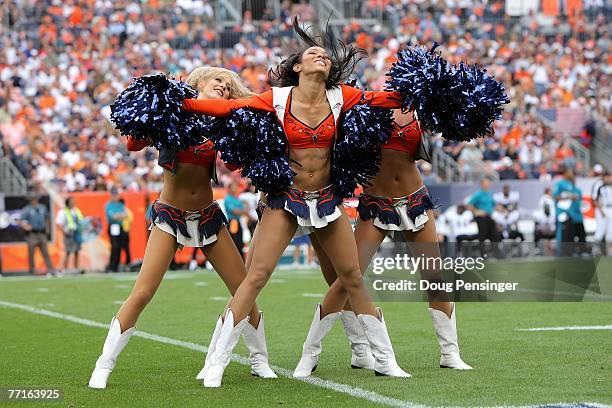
(189, 188)
(313, 170)
(398, 175)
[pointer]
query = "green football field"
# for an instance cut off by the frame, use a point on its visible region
(52, 331)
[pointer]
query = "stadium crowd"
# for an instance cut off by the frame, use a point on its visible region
(63, 62)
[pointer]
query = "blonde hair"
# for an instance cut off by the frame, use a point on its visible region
(200, 75)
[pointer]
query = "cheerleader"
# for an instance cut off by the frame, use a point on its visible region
(308, 104)
(185, 215)
(397, 201)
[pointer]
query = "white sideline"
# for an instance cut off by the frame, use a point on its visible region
(563, 328)
(318, 382)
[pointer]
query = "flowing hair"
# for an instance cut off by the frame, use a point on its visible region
(344, 57)
(199, 76)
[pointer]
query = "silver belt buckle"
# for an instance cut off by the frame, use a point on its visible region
(310, 195)
(192, 216)
(400, 202)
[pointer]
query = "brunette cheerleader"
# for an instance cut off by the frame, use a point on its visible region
(308, 104)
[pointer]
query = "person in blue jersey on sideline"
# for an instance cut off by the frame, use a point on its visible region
(115, 213)
(482, 203)
(570, 227)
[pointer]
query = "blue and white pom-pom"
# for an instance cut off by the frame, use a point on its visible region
(357, 151)
(461, 102)
(150, 109)
(269, 174)
(255, 142)
(485, 99)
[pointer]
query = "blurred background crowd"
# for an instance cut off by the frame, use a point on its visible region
(63, 62)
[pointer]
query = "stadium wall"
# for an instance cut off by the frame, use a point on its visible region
(95, 252)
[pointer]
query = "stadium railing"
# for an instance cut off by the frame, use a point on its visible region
(445, 166)
(601, 150)
(12, 182)
(583, 155)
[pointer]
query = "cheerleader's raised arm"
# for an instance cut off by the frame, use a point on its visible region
(263, 102)
(379, 99)
(220, 108)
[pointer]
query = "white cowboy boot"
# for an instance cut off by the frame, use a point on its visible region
(312, 346)
(228, 338)
(361, 355)
(380, 344)
(255, 340)
(113, 345)
(446, 330)
(211, 348)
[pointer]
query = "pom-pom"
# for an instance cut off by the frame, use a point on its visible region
(269, 174)
(357, 151)
(484, 98)
(255, 142)
(150, 109)
(457, 101)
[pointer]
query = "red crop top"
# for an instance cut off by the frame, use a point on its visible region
(302, 136)
(201, 155)
(299, 135)
(405, 138)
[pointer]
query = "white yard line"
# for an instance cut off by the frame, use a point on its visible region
(94, 276)
(564, 328)
(312, 380)
(313, 295)
(319, 382)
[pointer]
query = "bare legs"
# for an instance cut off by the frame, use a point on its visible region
(422, 243)
(350, 258)
(273, 233)
(369, 238)
(225, 258)
(159, 252)
(365, 327)
(425, 241)
(336, 239)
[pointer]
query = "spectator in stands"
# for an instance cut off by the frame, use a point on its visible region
(530, 156)
(70, 221)
(56, 86)
(235, 210)
(115, 214)
(428, 175)
(124, 236)
(565, 155)
(481, 204)
(492, 151)
(470, 158)
(36, 223)
(570, 227)
(507, 171)
(545, 218)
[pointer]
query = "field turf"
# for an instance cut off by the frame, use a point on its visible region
(52, 350)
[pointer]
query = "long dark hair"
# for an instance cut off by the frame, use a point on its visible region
(344, 57)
